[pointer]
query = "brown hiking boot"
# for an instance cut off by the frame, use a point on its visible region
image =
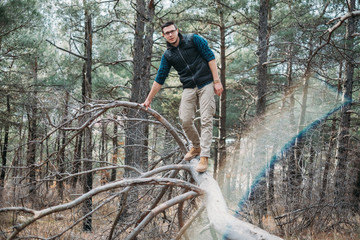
(203, 164)
(192, 153)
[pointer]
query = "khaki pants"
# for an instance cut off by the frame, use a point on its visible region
(189, 99)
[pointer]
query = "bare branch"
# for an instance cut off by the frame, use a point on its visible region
(63, 49)
(113, 104)
(18, 209)
(95, 191)
(341, 20)
(85, 216)
(330, 31)
(160, 208)
(188, 223)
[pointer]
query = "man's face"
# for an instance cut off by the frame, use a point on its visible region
(171, 34)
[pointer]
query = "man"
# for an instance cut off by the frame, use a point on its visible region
(195, 63)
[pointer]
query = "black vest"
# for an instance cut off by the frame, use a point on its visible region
(187, 61)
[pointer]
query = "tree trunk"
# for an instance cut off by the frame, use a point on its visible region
(19, 156)
(224, 223)
(137, 132)
(102, 144)
(287, 158)
(262, 52)
(77, 157)
(47, 157)
(258, 194)
(222, 102)
(289, 165)
(332, 141)
(116, 150)
(311, 170)
(61, 155)
(88, 178)
(343, 135)
(294, 156)
(356, 189)
(271, 179)
(32, 134)
(6, 142)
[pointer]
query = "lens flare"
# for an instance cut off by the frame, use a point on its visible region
(287, 122)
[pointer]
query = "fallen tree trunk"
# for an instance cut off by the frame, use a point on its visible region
(221, 220)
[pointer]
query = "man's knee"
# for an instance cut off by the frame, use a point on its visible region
(187, 122)
(207, 117)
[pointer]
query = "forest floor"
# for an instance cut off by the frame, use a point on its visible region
(353, 234)
(102, 219)
(332, 235)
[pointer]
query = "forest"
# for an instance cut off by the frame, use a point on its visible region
(81, 158)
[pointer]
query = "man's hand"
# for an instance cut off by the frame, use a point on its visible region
(146, 104)
(154, 89)
(218, 88)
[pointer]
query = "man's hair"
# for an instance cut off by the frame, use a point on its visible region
(168, 24)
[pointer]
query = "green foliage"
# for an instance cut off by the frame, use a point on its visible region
(14, 13)
(298, 23)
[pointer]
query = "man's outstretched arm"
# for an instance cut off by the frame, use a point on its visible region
(154, 90)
